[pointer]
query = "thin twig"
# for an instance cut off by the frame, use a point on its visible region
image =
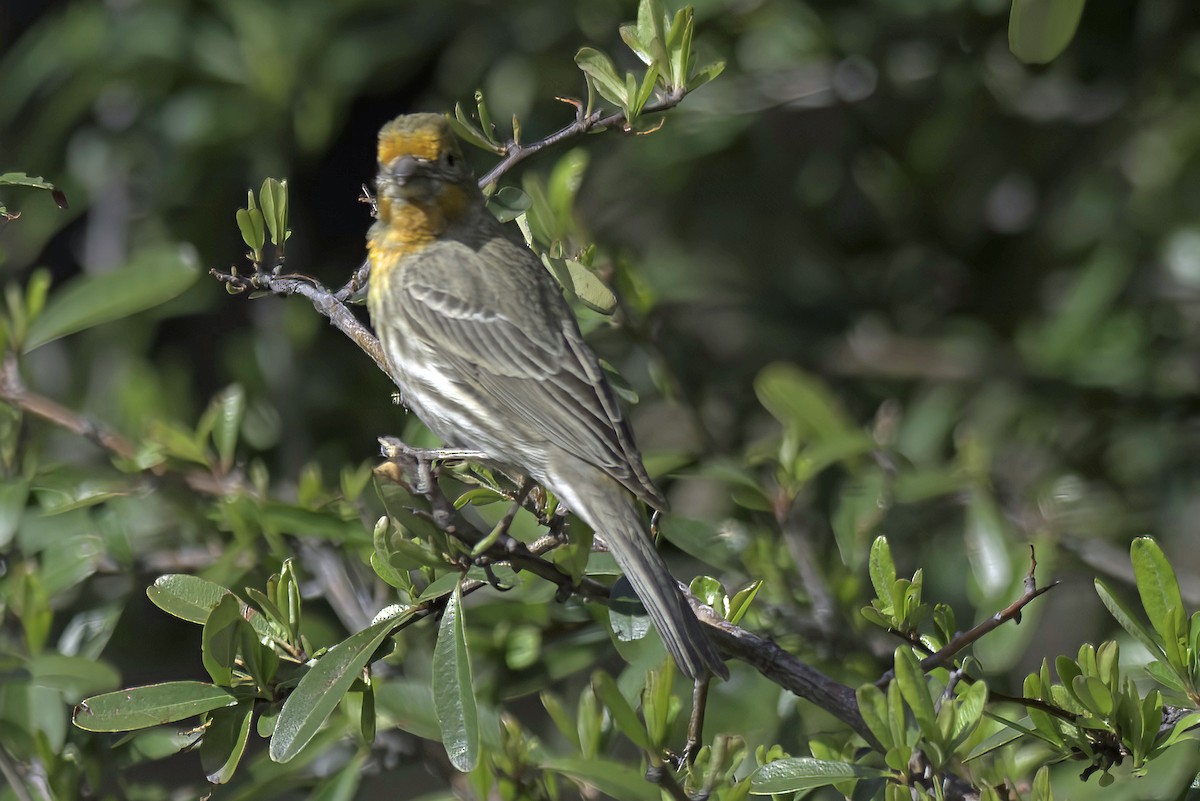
(12, 775)
(322, 299)
(14, 392)
(769, 659)
(515, 153)
(945, 655)
(333, 304)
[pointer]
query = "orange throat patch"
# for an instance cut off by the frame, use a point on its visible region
(412, 225)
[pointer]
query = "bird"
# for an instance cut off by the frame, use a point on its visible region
(487, 352)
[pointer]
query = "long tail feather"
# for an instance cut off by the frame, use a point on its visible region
(612, 512)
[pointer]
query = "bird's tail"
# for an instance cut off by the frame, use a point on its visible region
(613, 513)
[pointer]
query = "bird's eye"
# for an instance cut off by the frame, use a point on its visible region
(449, 159)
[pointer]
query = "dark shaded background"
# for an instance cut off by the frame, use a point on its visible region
(999, 262)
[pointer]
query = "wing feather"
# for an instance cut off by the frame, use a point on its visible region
(522, 346)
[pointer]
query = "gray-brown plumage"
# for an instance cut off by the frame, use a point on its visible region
(488, 354)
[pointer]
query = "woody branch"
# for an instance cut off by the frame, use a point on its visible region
(334, 304)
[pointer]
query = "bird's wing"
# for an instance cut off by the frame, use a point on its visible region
(510, 331)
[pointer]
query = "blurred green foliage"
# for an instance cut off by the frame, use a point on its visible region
(880, 277)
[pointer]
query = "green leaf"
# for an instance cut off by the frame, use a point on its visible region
(801, 402)
(73, 676)
(584, 284)
(152, 705)
(629, 35)
(679, 48)
(273, 197)
(343, 785)
(408, 705)
(883, 571)
(565, 179)
(231, 408)
(916, 691)
(796, 774)
(468, 131)
(1165, 675)
(1011, 732)
(622, 713)
(970, 711)
(1185, 727)
(702, 539)
(611, 779)
(453, 690)
(322, 688)
(14, 495)
(21, 179)
(739, 604)
(599, 67)
(154, 275)
(189, 598)
(646, 89)
(252, 227)
(1094, 696)
(1158, 588)
(37, 289)
(873, 706)
(1038, 30)
(562, 719)
(225, 741)
(442, 585)
(219, 642)
(1128, 620)
(705, 74)
(1041, 785)
(509, 203)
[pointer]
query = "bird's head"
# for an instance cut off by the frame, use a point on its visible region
(420, 163)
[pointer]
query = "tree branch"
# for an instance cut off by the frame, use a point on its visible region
(774, 663)
(14, 392)
(514, 152)
(944, 656)
(333, 304)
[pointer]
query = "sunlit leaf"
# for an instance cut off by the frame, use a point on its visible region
(152, 705)
(225, 741)
(1038, 30)
(453, 690)
(154, 275)
(322, 688)
(796, 774)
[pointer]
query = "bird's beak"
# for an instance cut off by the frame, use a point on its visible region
(407, 178)
(404, 168)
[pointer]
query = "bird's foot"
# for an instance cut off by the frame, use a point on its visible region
(696, 721)
(393, 447)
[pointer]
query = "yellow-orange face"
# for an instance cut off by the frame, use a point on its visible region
(424, 186)
(418, 157)
(423, 136)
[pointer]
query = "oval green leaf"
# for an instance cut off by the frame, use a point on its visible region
(622, 713)
(1157, 586)
(323, 686)
(1038, 30)
(152, 705)
(611, 779)
(805, 773)
(225, 741)
(192, 598)
(74, 676)
(453, 691)
(154, 276)
(219, 641)
(1128, 620)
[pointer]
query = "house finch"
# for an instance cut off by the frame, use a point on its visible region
(488, 354)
